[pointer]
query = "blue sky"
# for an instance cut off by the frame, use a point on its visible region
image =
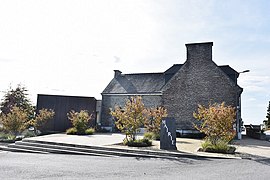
(72, 47)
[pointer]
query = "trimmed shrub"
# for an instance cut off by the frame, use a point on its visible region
(151, 136)
(11, 137)
(71, 131)
(3, 135)
(148, 135)
(220, 147)
(139, 143)
(90, 131)
(80, 120)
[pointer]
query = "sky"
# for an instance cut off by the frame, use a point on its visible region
(71, 47)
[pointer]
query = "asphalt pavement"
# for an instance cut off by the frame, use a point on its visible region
(54, 166)
(245, 147)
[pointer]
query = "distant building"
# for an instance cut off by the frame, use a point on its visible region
(179, 89)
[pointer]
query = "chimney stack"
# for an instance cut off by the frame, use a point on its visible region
(117, 73)
(199, 51)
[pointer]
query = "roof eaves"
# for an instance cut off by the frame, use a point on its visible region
(135, 94)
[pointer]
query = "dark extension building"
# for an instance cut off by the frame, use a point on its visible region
(61, 106)
(179, 89)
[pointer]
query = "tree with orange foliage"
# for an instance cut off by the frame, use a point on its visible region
(131, 117)
(216, 122)
(15, 121)
(153, 121)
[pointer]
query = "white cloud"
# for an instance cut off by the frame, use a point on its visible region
(74, 46)
(255, 83)
(251, 99)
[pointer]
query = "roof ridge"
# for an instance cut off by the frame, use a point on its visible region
(144, 73)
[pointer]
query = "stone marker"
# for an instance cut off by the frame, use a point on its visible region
(168, 134)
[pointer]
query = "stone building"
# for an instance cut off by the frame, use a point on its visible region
(179, 89)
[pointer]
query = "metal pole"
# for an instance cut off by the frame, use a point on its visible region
(238, 109)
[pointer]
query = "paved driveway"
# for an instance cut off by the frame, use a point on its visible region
(97, 139)
(253, 146)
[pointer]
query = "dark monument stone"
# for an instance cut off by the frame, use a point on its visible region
(168, 134)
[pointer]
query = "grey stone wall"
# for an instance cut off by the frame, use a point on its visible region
(199, 81)
(109, 101)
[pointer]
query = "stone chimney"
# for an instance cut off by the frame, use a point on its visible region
(199, 52)
(117, 73)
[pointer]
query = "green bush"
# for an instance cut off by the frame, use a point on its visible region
(71, 131)
(125, 141)
(80, 120)
(151, 136)
(90, 131)
(9, 138)
(220, 147)
(3, 135)
(138, 142)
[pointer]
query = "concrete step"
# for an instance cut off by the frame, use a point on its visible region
(109, 150)
(61, 148)
(33, 148)
(90, 150)
(39, 146)
(17, 149)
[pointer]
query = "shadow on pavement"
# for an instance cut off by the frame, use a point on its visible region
(250, 142)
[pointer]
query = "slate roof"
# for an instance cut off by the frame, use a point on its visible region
(136, 83)
(149, 83)
(233, 75)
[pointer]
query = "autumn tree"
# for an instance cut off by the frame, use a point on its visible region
(41, 118)
(130, 118)
(17, 97)
(17, 112)
(15, 121)
(216, 122)
(155, 115)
